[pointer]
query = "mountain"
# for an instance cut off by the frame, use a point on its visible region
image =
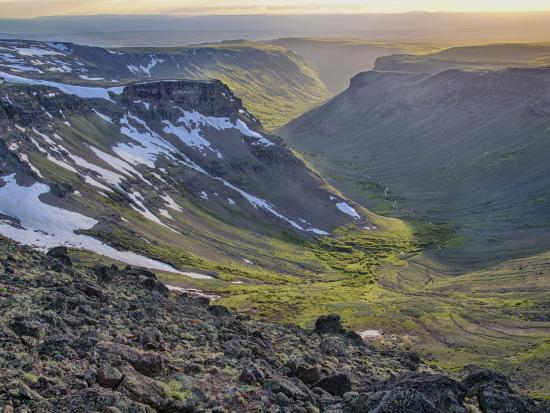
(176, 176)
(276, 84)
(171, 175)
(465, 148)
(338, 60)
(77, 339)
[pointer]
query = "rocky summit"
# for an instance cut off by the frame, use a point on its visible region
(108, 339)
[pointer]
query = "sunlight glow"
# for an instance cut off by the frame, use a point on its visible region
(33, 8)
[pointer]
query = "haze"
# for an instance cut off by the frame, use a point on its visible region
(35, 8)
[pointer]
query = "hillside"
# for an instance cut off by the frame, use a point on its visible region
(177, 176)
(467, 150)
(176, 171)
(459, 147)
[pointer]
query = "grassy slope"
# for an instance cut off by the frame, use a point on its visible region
(373, 137)
(275, 84)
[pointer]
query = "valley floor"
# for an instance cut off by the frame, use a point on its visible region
(497, 317)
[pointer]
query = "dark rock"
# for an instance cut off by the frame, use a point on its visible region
(219, 311)
(61, 254)
(149, 363)
(155, 285)
(288, 388)
(329, 324)
(136, 271)
(60, 190)
(247, 377)
(394, 401)
(141, 388)
(97, 293)
(150, 337)
(498, 399)
(89, 376)
(26, 327)
(108, 376)
(310, 375)
(354, 338)
(96, 399)
(478, 376)
(105, 274)
(336, 384)
(442, 391)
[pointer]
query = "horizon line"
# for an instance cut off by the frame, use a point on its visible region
(347, 13)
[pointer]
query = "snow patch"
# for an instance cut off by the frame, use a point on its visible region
(44, 226)
(347, 209)
(80, 91)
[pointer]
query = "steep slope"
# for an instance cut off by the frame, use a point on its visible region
(78, 339)
(466, 148)
(275, 84)
(338, 60)
(175, 171)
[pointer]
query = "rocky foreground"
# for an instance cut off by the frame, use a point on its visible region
(115, 340)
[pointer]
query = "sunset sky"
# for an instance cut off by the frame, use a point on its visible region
(33, 8)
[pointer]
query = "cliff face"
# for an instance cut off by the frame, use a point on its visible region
(211, 98)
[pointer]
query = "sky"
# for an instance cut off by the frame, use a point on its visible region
(34, 8)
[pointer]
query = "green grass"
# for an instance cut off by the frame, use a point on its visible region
(172, 390)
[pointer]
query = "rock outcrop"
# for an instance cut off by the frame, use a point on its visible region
(77, 339)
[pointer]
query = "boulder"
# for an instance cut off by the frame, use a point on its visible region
(477, 376)
(443, 392)
(329, 324)
(61, 254)
(104, 273)
(336, 384)
(108, 376)
(499, 399)
(394, 401)
(26, 327)
(310, 375)
(150, 337)
(247, 377)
